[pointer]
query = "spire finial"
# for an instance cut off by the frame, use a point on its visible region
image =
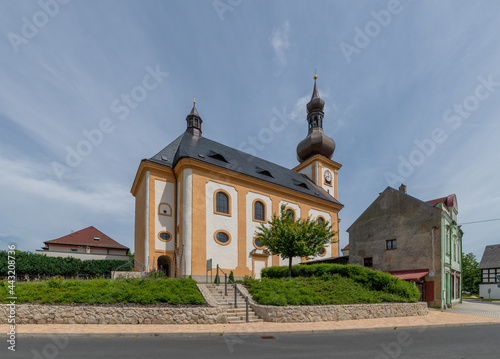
(315, 76)
(194, 99)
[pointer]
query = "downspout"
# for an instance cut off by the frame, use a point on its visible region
(461, 258)
(175, 224)
(433, 253)
(146, 237)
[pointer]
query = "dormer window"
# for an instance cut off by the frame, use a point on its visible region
(97, 238)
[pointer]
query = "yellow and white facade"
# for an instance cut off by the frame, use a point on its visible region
(179, 223)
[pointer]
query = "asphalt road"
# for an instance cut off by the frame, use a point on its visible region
(452, 342)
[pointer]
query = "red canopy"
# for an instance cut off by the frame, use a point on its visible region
(410, 274)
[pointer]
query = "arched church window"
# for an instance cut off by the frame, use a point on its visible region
(259, 211)
(222, 202)
(290, 213)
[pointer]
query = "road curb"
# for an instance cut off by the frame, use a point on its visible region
(256, 333)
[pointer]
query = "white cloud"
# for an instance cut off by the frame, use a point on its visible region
(31, 179)
(280, 43)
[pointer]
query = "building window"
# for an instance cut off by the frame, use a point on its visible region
(222, 203)
(447, 239)
(164, 236)
(290, 213)
(258, 244)
(222, 237)
(164, 209)
(259, 211)
(490, 275)
(320, 220)
(390, 244)
(322, 252)
(74, 250)
(368, 262)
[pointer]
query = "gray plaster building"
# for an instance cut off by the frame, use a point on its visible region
(414, 240)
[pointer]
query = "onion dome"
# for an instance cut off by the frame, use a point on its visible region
(316, 142)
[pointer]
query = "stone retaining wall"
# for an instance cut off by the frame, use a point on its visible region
(127, 274)
(67, 314)
(321, 313)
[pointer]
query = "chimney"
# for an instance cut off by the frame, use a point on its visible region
(402, 188)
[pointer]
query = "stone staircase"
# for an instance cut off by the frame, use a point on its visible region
(234, 315)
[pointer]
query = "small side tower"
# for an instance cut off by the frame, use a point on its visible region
(194, 121)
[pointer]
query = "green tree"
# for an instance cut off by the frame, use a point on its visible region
(286, 238)
(471, 275)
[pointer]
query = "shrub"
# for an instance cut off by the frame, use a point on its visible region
(105, 291)
(157, 274)
(38, 264)
(371, 279)
(327, 289)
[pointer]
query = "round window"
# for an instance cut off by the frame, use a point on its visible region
(165, 236)
(258, 244)
(322, 251)
(222, 238)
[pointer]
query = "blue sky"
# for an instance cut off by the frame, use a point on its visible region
(412, 91)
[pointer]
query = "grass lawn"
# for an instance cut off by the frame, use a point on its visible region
(328, 289)
(470, 296)
(105, 291)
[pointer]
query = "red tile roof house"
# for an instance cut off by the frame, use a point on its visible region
(345, 250)
(85, 244)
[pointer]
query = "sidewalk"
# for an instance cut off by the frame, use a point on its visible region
(435, 318)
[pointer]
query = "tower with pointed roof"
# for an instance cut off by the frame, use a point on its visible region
(315, 151)
(194, 121)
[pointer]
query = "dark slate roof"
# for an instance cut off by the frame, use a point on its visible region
(491, 257)
(204, 150)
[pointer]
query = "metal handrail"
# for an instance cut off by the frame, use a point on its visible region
(236, 289)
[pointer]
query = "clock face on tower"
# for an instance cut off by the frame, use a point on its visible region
(328, 177)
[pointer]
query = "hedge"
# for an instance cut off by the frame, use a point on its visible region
(100, 291)
(369, 278)
(39, 264)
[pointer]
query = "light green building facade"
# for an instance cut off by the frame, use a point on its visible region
(451, 255)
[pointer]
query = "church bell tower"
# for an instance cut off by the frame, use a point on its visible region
(315, 151)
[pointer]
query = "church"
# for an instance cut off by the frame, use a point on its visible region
(198, 199)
